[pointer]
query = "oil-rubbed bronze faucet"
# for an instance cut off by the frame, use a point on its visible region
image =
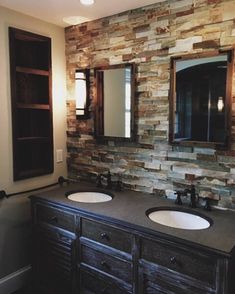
(207, 204)
(190, 191)
(108, 179)
(178, 200)
(193, 201)
(99, 181)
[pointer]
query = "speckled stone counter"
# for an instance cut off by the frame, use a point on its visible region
(129, 209)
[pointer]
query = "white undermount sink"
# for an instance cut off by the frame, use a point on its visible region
(89, 197)
(179, 219)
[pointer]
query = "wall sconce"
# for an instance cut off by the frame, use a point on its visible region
(220, 104)
(82, 93)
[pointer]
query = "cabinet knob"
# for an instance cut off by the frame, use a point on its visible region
(63, 238)
(104, 264)
(104, 236)
(53, 219)
(173, 260)
(103, 291)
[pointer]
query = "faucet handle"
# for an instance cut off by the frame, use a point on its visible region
(119, 185)
(207, 204)
(109, 181)
(207, 196)
(193, 197)
(178, 200)
(99, 181)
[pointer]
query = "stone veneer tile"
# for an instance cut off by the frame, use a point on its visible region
(228, 10)
(207, 151)
(185, 44)
(149, 36)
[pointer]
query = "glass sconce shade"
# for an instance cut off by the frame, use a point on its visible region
(87, 2)
(81, 93)
(220, 104)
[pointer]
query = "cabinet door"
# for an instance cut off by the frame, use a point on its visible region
(154, 279)
(92, 283)
(55, 260)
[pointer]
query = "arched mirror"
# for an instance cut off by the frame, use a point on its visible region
(200, 99)
(114, 102)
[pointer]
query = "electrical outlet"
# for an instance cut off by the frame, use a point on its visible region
(59, 155)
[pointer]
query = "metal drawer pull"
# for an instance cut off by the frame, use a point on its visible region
(104, 264)
(53, 219)
(104, 236)
(173, 260)
(62, 237)
(105, 289)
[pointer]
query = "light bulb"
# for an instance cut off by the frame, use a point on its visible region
(87, 2)
(220, 104)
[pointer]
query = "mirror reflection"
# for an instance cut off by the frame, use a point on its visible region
(200, 97)
(114, 101)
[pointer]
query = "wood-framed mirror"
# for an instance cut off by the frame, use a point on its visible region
(200, 99)
(114, 115)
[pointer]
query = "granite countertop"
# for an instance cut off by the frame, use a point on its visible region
(129, 209)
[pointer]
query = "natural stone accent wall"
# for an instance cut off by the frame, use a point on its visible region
(149, 37)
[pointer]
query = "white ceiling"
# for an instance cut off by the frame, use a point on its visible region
(54, 11)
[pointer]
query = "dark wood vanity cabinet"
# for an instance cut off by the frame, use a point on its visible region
(76, 253)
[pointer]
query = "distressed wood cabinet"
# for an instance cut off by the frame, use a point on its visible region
(105, 252)
(55, 250)
(166, 267)
(31, 99)
(75, 252)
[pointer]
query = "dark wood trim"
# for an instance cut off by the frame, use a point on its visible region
(22, 35)
(228, 100)
(32, 71)
(199, 55)
(99, 104)
(33, 106)
(172, 99)
(99, 117)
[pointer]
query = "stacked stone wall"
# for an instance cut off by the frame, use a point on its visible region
(149, 37)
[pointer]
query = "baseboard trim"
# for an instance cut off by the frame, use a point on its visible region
(15, 280)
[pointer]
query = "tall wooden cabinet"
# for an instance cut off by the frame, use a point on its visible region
(30, 66)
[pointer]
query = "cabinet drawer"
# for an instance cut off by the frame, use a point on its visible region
(107, 235)
(93, 284)
(114, 266)
(154, 279)
(55, 217)
(182, 261)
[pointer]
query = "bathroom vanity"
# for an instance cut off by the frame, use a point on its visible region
(113, 247)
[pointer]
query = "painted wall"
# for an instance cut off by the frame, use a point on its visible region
(14, 212)
(149, 37)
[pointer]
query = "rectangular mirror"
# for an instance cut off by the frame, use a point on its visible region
(200, 99)
(114, 101)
